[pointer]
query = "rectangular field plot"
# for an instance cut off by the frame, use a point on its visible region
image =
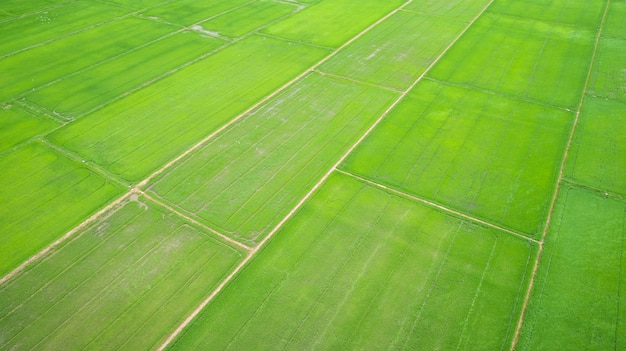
(397, 51)
(188, 12)
(608, 78)
(463, 10)
(574, 12)
(247, 179)
(124, 283)
(32, 68)
(598, 154)
(36, 28)
(489, 156)
(135, 135)
(359, 268)
(43, 195)
(76, 95)
(579, 297)
(249, 17)
(18, 126)
(520, 57)
(331, 23)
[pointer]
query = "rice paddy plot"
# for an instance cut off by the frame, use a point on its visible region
(597, 157)
(331, 23)
(608, 78)
(76, 95)
(540, 61)
(248, 18)
(359, 268)
(18, 126)
(244, 181)
(139, 4)
(24, 32)
(615, 19)
(135, 135)
(43, 195)
(579, 299)
(41, 65)
(463, 10)
(573, 12)
(482, 154)
(397, 51)
(188, 12)
(123, 283)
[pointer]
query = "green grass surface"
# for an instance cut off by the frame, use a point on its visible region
(41, 65)
(597, 157)
(80, 93)
(124, 283)
(188, 12)
(43, 195)
(331, 23)
(21, 33)
(13, 8)
(579, 299)
(482, 154)
(358, 268)
(249, 17)
(18, 126)
(246, 180)
(463, 10)
(615, 19)
(529, 59)
(135, 135)
(397, 51)
(608, 77)
(573, 12)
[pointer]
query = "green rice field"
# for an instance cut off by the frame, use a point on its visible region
(312, 174)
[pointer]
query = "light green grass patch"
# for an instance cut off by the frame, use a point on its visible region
(18, 126)
(248, 18)
(492, 157)
(76, 95)
(36, 28)
(124, 283)
(608, 78)
(464, 10)
(520, 57)
(397, 51)
(33, 68)
(574, 12)
(188, 12)
(43, 195)
(616, 17)
(579, 299)
(138, 4)
(247, 179)
(359, 268)
(331, 23)
(137, 134)
(597, 157)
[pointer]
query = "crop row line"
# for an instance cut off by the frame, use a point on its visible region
(438, 206)
(558, 183)
(357, 81)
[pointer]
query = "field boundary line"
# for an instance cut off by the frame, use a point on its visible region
(113, 205)
(340, 77)
(16, 17)
(520, 321)
(598, 191)
(438, 206)
(317, 185)
(182, 215)
(500, 94)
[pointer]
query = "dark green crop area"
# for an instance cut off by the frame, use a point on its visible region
(312, 174)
